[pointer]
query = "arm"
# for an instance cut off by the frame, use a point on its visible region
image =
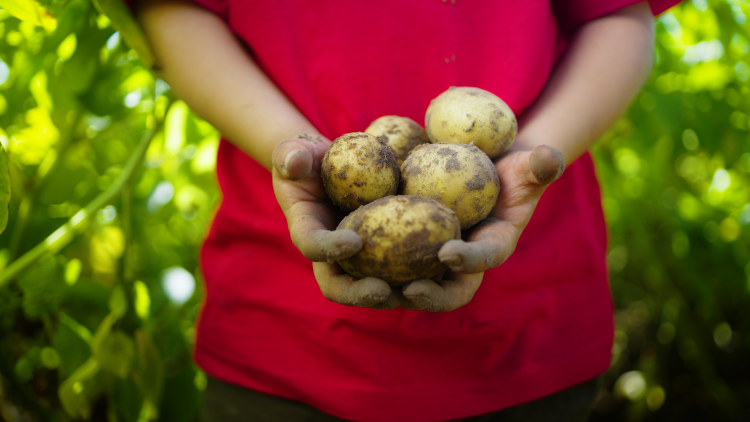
(607, 63)
(206, 66)
(247, 108)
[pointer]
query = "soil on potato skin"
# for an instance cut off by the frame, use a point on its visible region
(412, 256)
(344, 146)
(493, 143)
(387, 158)
(421, 165)
(313, 139)
(401, 134)
(503, 141)
(476, 183)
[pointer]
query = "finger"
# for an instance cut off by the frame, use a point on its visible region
(442, 296)
(471, 257)
(490, 243)
(342, 288)
(321, 245)
(294, 159)
(395, 299)
(546, 164)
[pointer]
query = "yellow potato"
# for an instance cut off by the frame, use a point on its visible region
(402, 134)
(459, 176)
(358, 169)
(463, 115)
(401, 236)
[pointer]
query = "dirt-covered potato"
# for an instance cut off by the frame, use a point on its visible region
(459, 176)
(358, 169)
(402, 134)
(401, 236)
(463, 115)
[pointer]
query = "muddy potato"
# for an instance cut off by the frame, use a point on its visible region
(358, 169)
(459, 176)
(463, 115)
(402, 134)
(401, 237)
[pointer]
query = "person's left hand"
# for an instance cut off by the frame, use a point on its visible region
(524, 175)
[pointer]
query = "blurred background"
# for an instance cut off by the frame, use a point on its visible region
(113, 188)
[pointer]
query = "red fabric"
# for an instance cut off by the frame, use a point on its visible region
(572, 13)
(539, 323)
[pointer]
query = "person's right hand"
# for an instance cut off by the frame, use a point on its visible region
(312, 220)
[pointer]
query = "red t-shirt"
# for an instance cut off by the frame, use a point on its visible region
(539, 323)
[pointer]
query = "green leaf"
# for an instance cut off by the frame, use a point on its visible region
(80, 389)
(24, 369)
(122, 20)
(150, 370)
(49, 358)
(43, 287)
(70, 343)
(118, 303)
(25, 10)
(30, 11)
(115, 353)
(87, 297)
(126, 400)
(4, 189)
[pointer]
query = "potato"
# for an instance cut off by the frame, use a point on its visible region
(401, 237)
(464, 115)
(358, 169)
(402, 134)
(459, 176)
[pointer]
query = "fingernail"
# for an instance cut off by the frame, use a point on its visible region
(288, 162)
(453, 260)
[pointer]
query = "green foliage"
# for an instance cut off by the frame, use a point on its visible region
(4, 189)
(113, 188)
(675, 175)
(108, 202)
(43, 287)
(80, 389)
(123, 21)
(28, 11)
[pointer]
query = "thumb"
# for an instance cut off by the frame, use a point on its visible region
(546, 164)
(295, 159)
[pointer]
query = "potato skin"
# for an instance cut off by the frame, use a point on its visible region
(401, 237)
(459, 176)
(402, 134)
(462, 115)
(357, 169)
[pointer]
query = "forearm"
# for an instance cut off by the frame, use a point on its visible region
(206, 66)
(605, 66)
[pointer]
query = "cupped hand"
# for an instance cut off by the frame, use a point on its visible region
(524, 175)
(312, 221)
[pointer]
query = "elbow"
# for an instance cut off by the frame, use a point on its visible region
(637, 25)
(646, 35)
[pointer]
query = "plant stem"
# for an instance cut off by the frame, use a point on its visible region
(24, 211)
(35, 186)
(77, 224)
(127, 277)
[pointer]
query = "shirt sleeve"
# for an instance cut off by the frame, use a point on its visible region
(573, 13)
(219, 7)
